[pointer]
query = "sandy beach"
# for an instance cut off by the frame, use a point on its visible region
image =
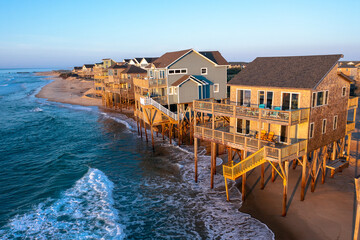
(328, 213)
(71, 90)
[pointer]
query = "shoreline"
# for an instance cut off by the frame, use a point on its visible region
(325, 214)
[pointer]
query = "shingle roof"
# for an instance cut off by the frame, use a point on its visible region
(134, 69)
(138, 60)
(150, 59)
(117, 66)
(89, 65)
(197, 78)
(292, 72)
(215, 56)
(77, 68)
(168, 58)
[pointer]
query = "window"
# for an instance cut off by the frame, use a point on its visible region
(162, 74)
(320, 99)
(243, 97)
(177, 71)
(326, 97)
(343, 91)
(313, 100)
(216, 87)
(290, 101)
(323, 130)
(151, 73)
(335, 122)
(261, 97)
(243, 126)
(269, 99)
(311, 130)
(175, 90)
(171, 91)
(203, 71)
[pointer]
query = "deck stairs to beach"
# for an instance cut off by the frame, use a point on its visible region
(151, 102)
(234, 171)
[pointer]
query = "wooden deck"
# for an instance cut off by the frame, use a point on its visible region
(291, 117)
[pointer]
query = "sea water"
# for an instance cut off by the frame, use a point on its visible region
(73, 172)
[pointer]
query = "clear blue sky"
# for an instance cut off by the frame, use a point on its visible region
(64, 33)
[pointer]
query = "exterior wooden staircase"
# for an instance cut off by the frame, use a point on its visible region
(234, 171)
(149, 101)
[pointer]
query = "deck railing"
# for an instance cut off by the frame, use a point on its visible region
(350, 126)
(291, 117)
(233, 171)
(149, 82)
(353, 102)
(149, 101)
(240, 141)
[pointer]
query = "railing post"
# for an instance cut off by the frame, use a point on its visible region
(222, 137)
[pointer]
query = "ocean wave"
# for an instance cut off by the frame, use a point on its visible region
(37, 109)
(4, 85)
(84, 211)
(123, 120)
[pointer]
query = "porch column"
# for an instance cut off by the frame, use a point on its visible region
(196, 158)
(303, 177)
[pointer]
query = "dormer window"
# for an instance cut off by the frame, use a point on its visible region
(203, 71)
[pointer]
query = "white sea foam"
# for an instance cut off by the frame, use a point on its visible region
(222, 219)
(37, 109)
(84, 211)
(4, 85)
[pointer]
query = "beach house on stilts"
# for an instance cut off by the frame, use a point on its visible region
(281, 110)
(163, 98)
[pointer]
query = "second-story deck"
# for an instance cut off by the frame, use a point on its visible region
(147, 82)
(288, 117)
(276, 152)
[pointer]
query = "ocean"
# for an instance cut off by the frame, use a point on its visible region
(74, 172)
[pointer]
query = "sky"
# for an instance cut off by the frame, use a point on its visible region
(67, 33)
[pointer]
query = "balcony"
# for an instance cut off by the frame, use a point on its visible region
(353, 102)
(273, 151)
(149, 83)
(350, 127)
(290, 117)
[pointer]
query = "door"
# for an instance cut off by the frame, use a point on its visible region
(243, 97)
(286, 101)
(283, 134)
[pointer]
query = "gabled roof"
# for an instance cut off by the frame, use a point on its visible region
(138, 60)
(215, 56)
(89, 65)
(150, 59)
(77, 68)
(118, 66)
(168, 58)
(291, 72)
(134, 69)
(196, 78)
(127, 60)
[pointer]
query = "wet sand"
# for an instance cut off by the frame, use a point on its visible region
(328, 213)
(71, 90)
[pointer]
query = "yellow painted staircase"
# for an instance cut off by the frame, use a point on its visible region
(234, 171)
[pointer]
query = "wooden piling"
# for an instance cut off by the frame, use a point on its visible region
(324, 165)
(152, 137)
(243, 187)
(357, 217)
(145, 131)
(227, 190)
(303, 177)
(213, 158)
(313, 169)
(285, 183)
(196, 158)
(273, 173)
(262, 182)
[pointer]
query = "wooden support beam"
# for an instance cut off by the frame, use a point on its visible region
(196, 158)
(273, 173)
(294, 164)
(213, 158)
(303, 177)
(227, 190)
(333, 155)
(229, 154)
(162, 131)
(170, 131)
(243, 187)
(357, 217)
(137, 124)
(285, 184)
(262, 181)
(145, 131)
(313, 169)
(348, 147)
(324, 159)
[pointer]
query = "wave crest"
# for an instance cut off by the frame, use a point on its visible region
(83, 211)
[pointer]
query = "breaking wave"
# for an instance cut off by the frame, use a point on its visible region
(84, 211)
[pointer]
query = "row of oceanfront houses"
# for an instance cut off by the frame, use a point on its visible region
(276, 111)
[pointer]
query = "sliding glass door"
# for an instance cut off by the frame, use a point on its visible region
(290, 101)
(243, 97)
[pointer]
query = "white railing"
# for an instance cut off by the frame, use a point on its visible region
(150, 101)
